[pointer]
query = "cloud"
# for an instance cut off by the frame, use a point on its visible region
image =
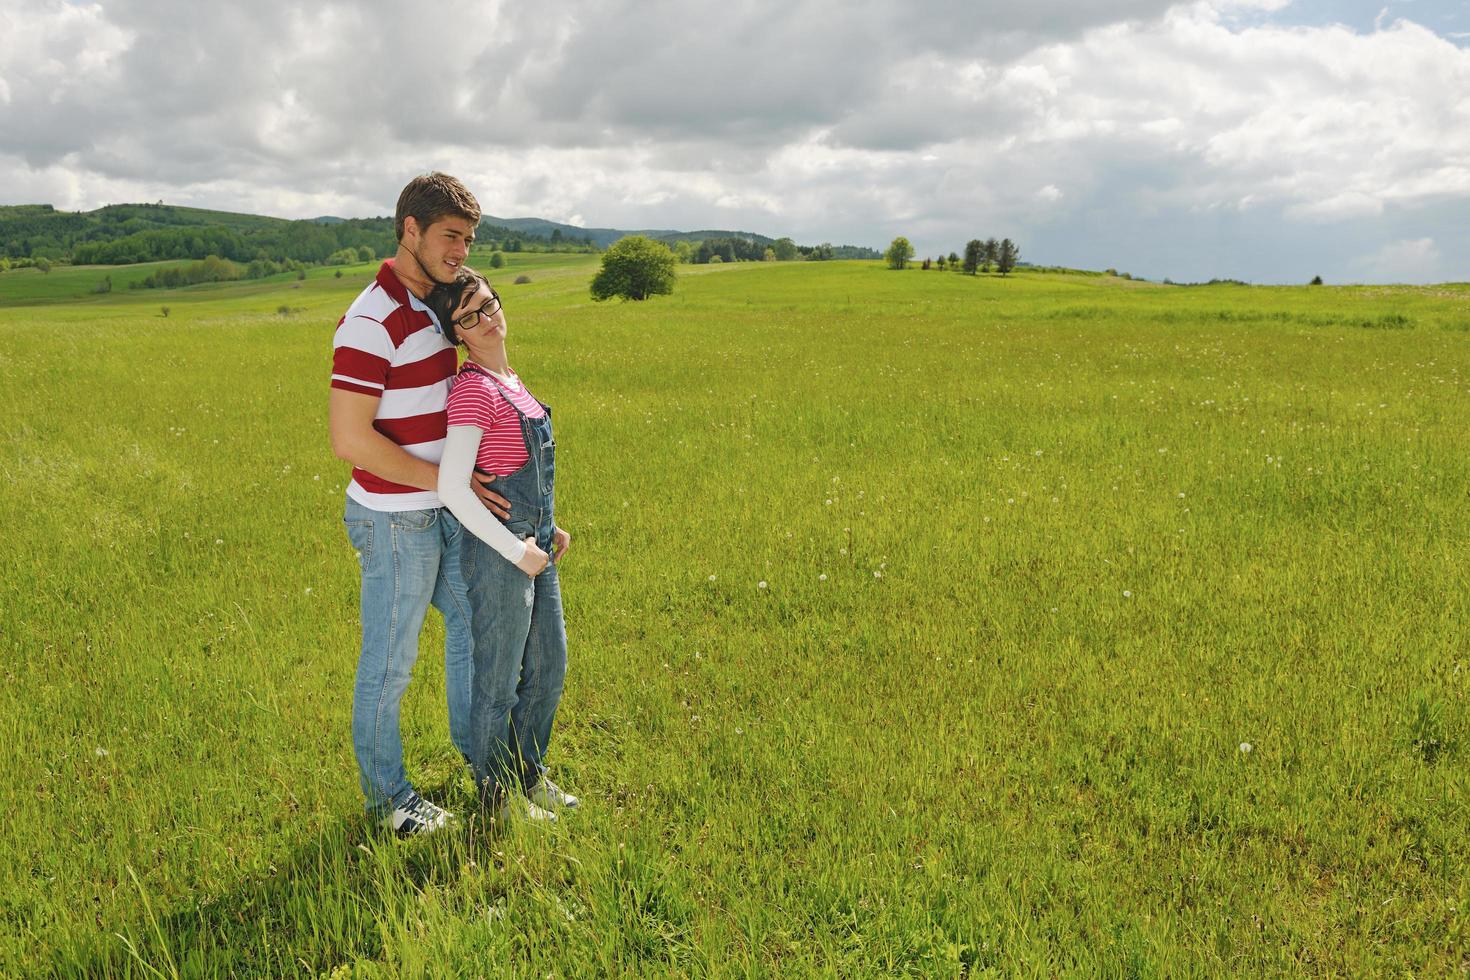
(1141, 127)
(1408, 260)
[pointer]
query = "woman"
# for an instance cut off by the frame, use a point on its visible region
(510, 569)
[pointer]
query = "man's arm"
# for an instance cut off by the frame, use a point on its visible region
(350, 420)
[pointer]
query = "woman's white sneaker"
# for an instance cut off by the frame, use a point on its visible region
(550, 796)
(416, 815)
(520, 808)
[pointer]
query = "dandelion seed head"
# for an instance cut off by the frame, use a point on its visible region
(1245, 748)
(761, 584)
(1127, 594)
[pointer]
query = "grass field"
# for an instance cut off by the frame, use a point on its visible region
(920, 624)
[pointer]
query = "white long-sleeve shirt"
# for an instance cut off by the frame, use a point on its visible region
(461, 448)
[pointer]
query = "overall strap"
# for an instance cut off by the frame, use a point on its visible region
(504, 392)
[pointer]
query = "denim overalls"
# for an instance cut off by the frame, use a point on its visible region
(516, 625)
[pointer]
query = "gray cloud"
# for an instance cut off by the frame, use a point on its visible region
(1086, 130)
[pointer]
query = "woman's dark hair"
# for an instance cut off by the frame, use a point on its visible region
(445, 298)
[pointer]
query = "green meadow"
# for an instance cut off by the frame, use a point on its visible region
(920, 624)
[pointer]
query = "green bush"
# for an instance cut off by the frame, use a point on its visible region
(634, 267)
(212, 269)
(899, 252)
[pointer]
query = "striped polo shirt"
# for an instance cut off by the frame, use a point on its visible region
(389, 346)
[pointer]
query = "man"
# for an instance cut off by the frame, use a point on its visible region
(391, 371)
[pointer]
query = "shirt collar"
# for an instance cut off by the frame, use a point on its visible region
(395, 288)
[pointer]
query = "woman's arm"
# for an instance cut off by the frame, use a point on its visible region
(461, 446)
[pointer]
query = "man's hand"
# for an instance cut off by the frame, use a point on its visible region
(493, 501)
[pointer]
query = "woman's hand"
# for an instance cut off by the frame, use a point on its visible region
(560, 542)
(533, 562)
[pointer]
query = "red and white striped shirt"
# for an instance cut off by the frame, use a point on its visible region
(476, 400)
(389, 345)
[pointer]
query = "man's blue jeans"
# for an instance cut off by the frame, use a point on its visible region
(409, 559)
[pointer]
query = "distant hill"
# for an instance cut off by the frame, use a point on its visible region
(121, 234)
(603, 237)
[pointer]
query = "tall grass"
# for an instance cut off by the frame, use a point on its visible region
(920, 624)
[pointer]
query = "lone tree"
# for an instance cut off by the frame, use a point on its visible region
(785, 250)
(899, 253)
(497, 260)
(974, 255)
(634, 267)
(954, 262)
(1006, 256)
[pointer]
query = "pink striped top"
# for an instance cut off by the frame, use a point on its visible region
(476, 400)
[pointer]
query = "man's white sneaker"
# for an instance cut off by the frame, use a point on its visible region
(520, 808)
(416, 815)
(551, 796)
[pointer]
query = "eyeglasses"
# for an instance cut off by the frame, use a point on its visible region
(488, 309)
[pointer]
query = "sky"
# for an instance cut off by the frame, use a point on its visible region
(1263, 140)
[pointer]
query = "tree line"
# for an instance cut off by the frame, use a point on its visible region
(980, 256)
(124, 234)
(736, 249)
